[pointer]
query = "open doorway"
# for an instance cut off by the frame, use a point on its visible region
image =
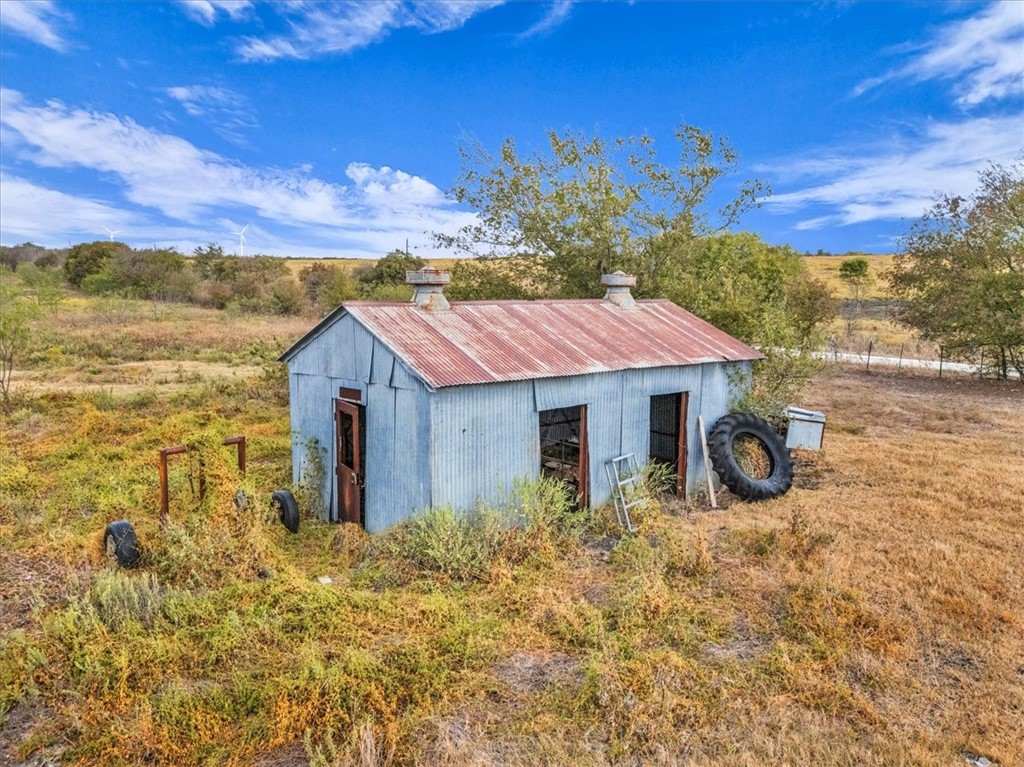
(350, 449)
(668, 436)
(563, 450)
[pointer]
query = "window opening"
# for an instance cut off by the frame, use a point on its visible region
(563, 451)
(668, 435)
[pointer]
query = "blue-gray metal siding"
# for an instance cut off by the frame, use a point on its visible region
(485, 436)
(397, 420)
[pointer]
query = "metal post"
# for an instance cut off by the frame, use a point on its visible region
(899, 367)
(165, 503)
(942, 354)
(871, 345)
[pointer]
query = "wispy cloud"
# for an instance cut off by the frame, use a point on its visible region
(555, 16)
(36, 19)
(983, 55)
(896, 177)
(325, 28)
(68, 215)
(228, 112)
(899, 174)
(169, 175)
(206, 12)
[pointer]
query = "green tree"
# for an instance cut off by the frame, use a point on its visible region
(88, 258)
(389, 270)
(960, 270)
(151, 274)
(16, 315)
(590, 206)
(46, 286)
(856, 274)
(763, 295)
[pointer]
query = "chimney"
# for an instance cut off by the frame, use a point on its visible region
(618, 285)
(429, 284)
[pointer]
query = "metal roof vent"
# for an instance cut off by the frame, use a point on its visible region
(618, 284)
(429, 284)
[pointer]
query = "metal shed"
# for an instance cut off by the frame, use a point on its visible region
(426, 403)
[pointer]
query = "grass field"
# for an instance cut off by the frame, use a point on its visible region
(872, 616)
(827, 268)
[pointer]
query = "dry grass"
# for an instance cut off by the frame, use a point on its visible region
(872, 616)
(296, 265)
(827, 268)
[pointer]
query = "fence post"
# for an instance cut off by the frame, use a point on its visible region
(899, 366)
(871, 345)
(942, 356)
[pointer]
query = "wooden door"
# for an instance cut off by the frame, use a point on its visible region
(681, 456)
(348, 460)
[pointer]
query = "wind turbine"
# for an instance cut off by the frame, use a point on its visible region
(112, 232)
(241, 240)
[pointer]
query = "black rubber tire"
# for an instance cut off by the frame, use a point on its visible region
(120, 542)
(289, 510)
(720, 445)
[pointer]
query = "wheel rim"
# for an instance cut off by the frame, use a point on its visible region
(752, 456)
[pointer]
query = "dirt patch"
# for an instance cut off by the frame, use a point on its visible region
(526, 672)
(19, 725)
(291, 755)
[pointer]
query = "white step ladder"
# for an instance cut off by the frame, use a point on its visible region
(623, 473)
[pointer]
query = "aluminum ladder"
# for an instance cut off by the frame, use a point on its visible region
(623, 473)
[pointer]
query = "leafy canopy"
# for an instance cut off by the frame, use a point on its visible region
(592, 206)
(960, 272)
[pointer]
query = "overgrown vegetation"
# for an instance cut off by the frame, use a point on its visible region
(869, 617)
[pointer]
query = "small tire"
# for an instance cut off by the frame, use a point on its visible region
(721, 445)
(288, 509)
(121, 543)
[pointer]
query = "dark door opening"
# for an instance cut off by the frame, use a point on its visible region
(350, 446)
(668, 435)
(564, 454)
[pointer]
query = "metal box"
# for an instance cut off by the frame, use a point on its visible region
(806, 428)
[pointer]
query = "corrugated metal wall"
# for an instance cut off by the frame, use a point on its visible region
(397, 459)
(486, 436)
(465, 445)
(483, 438)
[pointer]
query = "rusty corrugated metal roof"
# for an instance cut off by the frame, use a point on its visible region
(489, 341)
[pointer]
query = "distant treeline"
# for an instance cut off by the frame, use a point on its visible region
(211, 278)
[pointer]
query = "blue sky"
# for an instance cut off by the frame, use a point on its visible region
(332, 129)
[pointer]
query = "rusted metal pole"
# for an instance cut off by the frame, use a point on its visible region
(871, 345)
(240, 441)
(899, 367)
(165, 503)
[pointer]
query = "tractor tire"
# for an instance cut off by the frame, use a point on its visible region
(121, 544)
(288, 509)
(768, 450)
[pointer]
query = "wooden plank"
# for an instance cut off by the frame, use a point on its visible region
(707, 461)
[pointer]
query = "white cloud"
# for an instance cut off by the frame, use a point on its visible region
(206, 12)
(898, 176)
(31, 212)
(227, 111)
(167, 174)
(319, 28)
(557, 13)
(983, 55)
(35, 20)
